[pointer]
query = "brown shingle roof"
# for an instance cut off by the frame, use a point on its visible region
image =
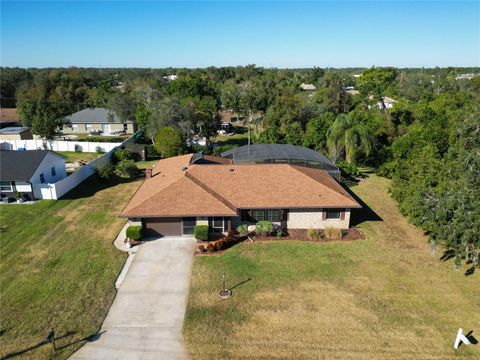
(179, 189)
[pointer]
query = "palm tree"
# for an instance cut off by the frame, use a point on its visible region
(347, 137)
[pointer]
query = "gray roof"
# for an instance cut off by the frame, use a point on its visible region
(282, 153)
(13, 130)
(21, 165)
(95, 116)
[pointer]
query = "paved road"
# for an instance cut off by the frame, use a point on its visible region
(146, 318)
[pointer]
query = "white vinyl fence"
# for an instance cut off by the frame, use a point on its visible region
(57, 145)
(56, 190)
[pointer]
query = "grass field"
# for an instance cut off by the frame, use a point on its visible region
(76, 156)
(384, 297)
(58, 267)
(236, 139)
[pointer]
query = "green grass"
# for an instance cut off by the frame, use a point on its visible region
(236, 139)
(58, 267)
(384, 297)
(76, 156)
(145, 164)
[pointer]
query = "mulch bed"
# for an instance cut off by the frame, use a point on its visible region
(351, 234)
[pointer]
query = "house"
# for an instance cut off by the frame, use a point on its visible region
(188, 190)
(468, 76)
(9, 117)
(15, 133)
(169, 78)
(389, 102)
(98, 121)
(23, 171)
(307, 87)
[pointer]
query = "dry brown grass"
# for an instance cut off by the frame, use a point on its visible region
(384, 297)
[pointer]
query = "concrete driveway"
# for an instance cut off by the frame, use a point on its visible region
(146, 318)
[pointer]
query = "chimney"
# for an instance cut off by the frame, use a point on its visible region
(148, 173)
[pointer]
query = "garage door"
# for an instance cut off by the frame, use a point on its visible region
(163, 226)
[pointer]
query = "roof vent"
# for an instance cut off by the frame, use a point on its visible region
(231, 169)
(184, 168)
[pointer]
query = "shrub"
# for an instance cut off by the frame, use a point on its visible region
(348, 170)
(333, 233)
(99, 150)
(127, 168)
(169, 142)
(219, 245)
(105, 170)
(314, 234)
(134, 232)
(77, 148)
(121, 155)
(219, 149)
(264, 227)
(242, 229)
(201, 232)
(151, 152)
(201, 248)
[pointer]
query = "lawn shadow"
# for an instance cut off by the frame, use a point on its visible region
(33, 347)
(90, 186)
(366, 213)
(240, 283)
(447, 255)
(89, 338)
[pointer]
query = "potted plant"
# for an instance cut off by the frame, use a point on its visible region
(19, 197)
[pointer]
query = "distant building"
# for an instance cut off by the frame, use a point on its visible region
(351, 90)
(356, 75)
(389, 102)
(15, 133)
(468, 76)
(22, 171)
(307, 87)
(169, 78)
(98, 121)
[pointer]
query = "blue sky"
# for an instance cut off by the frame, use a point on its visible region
(272, 34)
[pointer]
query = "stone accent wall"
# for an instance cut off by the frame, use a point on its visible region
(313, 218)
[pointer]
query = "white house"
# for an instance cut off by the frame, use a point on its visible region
(389, 102)
(21, 171)
(307, 87)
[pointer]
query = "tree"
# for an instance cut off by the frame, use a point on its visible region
(123, 105)
(294, 134)
(374, 82)
(169, 111)
(347, 138)
(46, 123)
(142, 117)
(169, 142)
(316, 131)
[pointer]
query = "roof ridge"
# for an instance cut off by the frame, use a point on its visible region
(210, 191)
(344, 195)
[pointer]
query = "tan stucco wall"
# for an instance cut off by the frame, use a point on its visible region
(25, 135)
(312, 218)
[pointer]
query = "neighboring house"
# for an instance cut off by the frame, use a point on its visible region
(21, 171)
(98, 121)
(468, 76)
(230, 117)
(169, 78)
(188, 190)
(307, 87)
(15, 133)
(389, 102)
(351, 90)
(9, 117)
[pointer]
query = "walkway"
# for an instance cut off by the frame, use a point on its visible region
(145, 321)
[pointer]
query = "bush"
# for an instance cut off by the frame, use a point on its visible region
(264, 227)
(134, 232)
(201, 248)
(219, 149)
(99, 150)
(201, 232)
(77, 148)
(169, 142)
(127, 168)
(105, 170)
(314, 234)
(387, 169)
(151, 152)
(348, 170)
(242, 229)
(121, 155)
(333, 233)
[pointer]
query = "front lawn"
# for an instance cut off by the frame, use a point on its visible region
(58, 267)
(72, 156)
(384, 297)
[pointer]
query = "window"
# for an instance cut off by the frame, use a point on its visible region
(261, 215)
(42, 178)
(189, 225)
(333, 214)
(88, 126)
(74, 126)
(125, 127)
(217, 224)
(6, 186)
(54, 172)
